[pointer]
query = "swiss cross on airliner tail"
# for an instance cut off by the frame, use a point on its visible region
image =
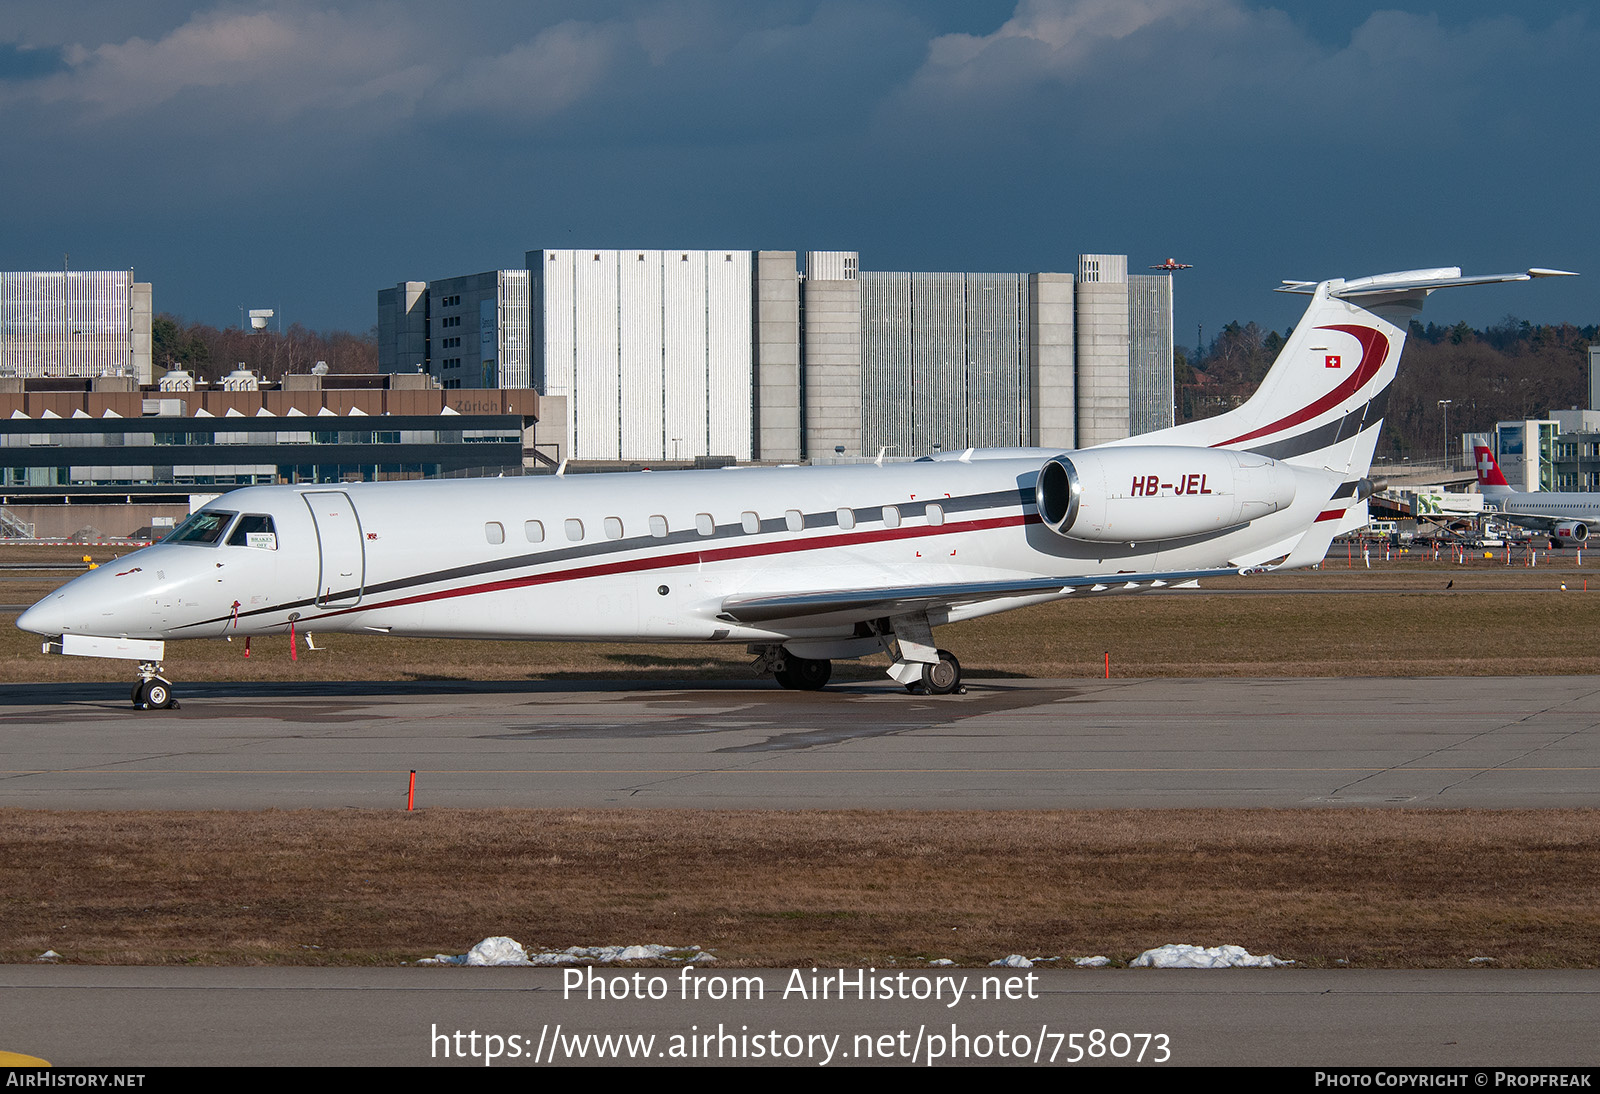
(1331, 361)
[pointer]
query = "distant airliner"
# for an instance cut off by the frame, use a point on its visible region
(803, 565)
(1172, 264)
(1564, 517)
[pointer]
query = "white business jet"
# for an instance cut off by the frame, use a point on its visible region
(1566, 518)
(804, 565)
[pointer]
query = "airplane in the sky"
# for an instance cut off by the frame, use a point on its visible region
(803, 565)
(1172, 264)
(1565, 517)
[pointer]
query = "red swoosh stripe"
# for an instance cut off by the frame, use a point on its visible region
(1374, 350)
(690, 558)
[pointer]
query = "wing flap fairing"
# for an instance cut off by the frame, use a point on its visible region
(870, 603)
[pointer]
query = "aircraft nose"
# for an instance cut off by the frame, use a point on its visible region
(45, 617)
(77, 607)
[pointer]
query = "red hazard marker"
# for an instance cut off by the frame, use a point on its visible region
(1108, 664)
(247, 645)
(294, 654)
(411, 793)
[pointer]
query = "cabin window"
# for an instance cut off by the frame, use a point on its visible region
(574, 529)
(658, 526)
(254, 530)
(891, 517)
(704, 524)
(613, 526)
(750, 521)
(935, 514)
(846, 518)
(494, 531)
(205, 528)
(795, 520)
(533, 530)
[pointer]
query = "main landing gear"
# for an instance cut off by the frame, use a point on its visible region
(153, 691)
(942, 677)
(804, 673)
(796, 673)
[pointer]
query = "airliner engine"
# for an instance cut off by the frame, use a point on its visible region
(1572, 531)
(1136, 495)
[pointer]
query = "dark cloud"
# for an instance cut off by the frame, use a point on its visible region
(309, 153)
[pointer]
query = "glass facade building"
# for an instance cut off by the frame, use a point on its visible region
(944, 361)
(78, 323)
(247, 451)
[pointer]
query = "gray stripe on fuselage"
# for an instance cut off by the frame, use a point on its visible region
(829, 518)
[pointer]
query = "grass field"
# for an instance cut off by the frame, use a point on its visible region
(1396, 889)
(1388, 888)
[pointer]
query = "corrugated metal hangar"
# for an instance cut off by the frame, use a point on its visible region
(673, 355)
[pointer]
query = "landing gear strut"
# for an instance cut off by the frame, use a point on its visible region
(153, 691)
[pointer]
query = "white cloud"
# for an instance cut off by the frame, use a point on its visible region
(1116, 62)
(229, 66)
(540, 78)
(1065, 34)
(1103, 76)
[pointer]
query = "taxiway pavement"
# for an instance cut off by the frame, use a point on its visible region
(1474, 742)
(1470, 1019)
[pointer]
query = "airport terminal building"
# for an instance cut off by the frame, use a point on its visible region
(108, 455)
(673, 355)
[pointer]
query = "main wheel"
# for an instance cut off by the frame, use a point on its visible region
(804, 673)
(943, 676)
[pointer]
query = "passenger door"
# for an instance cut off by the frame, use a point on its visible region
(342, 573)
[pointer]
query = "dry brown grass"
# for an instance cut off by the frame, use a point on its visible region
(1374, 888)
(1497, 620)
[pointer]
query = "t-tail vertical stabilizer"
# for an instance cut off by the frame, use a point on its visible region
(1329, 386)
(1322, 404)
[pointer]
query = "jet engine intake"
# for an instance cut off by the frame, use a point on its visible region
(1572, 531)
(1151, 493)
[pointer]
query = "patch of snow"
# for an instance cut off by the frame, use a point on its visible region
(48, 955)
(941, 961)
(1015, 961)
(501, 950)
(1180, 956)
(1095, 962)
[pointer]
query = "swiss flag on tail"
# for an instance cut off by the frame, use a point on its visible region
(1489, 473)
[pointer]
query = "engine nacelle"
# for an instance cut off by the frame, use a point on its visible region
(1572, 531)
(1158, 492)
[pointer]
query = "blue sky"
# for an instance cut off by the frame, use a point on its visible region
(303, 155)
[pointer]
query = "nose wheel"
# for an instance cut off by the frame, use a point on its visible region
(153, 691)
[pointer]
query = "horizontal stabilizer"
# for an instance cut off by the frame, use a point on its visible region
(1405, 281)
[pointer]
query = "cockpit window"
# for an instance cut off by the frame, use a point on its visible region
(205, 527)
(254, 530)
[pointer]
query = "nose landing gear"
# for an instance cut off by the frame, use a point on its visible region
(153, 691)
